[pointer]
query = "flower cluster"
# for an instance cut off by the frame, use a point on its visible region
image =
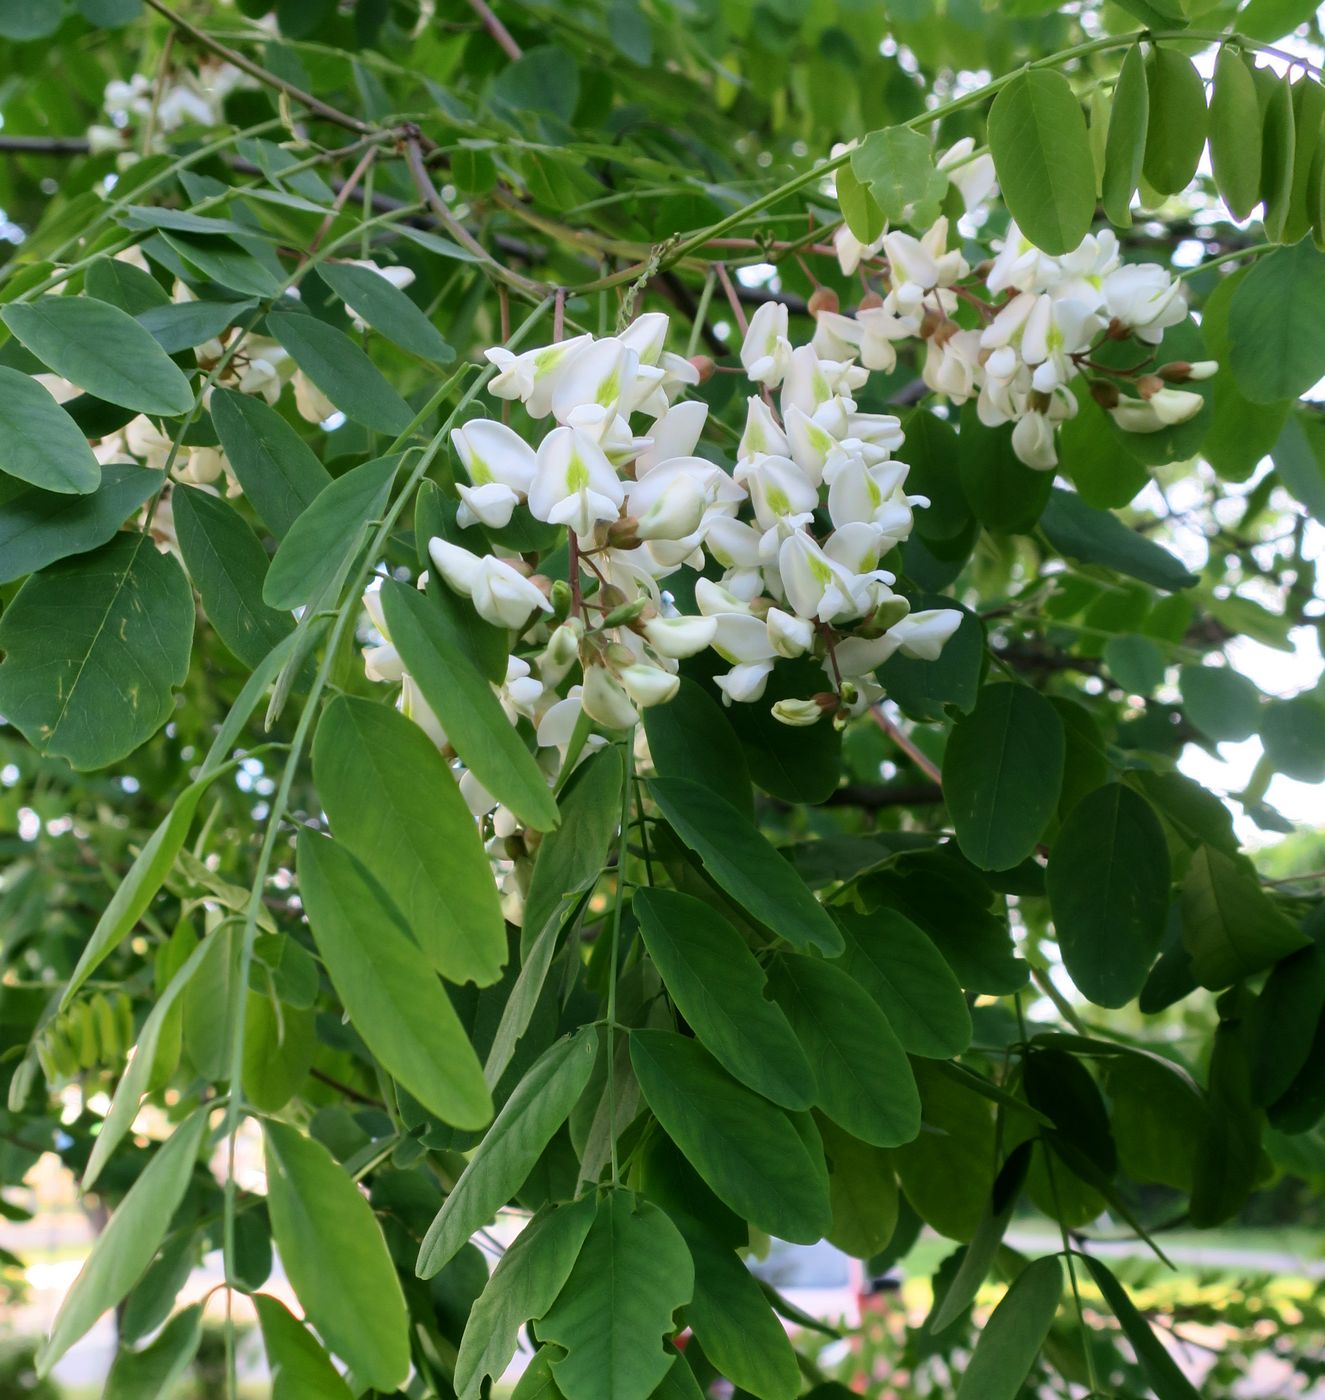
(781, 553)
(185, 98)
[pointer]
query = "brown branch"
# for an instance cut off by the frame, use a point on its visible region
(497, 29)
(356, 1095)
(46, 145)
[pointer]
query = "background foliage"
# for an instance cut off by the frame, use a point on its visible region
(1061, 978)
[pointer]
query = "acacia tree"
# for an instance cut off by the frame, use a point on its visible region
(572, 643)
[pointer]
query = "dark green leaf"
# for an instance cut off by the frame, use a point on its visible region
(387, 309)
(224, 262)
(1014, 1334)
(1220, 702)
(300, 1369)
(1235, 130)
(153, 1372)
(103, 350)
(184, 325)
(1161, 1370)
(94, 647)
(1277, 340)
(718, 987)
(1175, 135)
(416, 833)
(1129, 117)
(1099, 537)
(748, 1151)
(690, 737)
(39, 442)
(387, 985)
(1002, 773)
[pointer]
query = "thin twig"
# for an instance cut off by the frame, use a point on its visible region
(497, 29)
(342, 197)
(738, 311)
(46, 145)
(926, 765)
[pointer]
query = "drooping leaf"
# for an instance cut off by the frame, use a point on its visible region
(103, 350)
(275, 466)
(748, 1151)
(896, 166)
(862, 1189)
(1161, 1370)
(387, 985)
(1219, 701)
(718, 987)
(182, 325)
(864, 1080)
(342, 371)
(463, 701)
(902, 970)
(336, 1258)
(510, 1147)
(1277, 341)
(1129, 116)
(39, 442)
(632, 1273)
(94, 647)
(1014, 1334)
(228, 565)
(1108, 885)
(1099, 537)
(125, 1247)
(1230, 927)
(315, 547)
(387, 309)
(1041, 150)
(300, 1369)
(1175, 136)
(1235, 134)
(1293, 732)
(691, 737)
(152, 1372)
(741, 860)
(416, 833)
(524, 1285)
(39, 527)
(1002, 774)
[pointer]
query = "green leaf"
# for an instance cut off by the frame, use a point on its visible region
(1128, 118)
(336, 1258)
(387, 309)
(38, 527)
(277, 469)
(749, 1152)
(1099, 537)
(732, 1321)
(1041, 150)
(524, 1285)
(279, 1045)
(39, 442)
(228, 565)
(504, 1158)
(632, 1273)
(417, 834)
(468, 710)
(103, 350)
(1002, 773)
(1014, 1334)
(1175, 136)
(1278, 151)
(342, 371)
(718, 987)
(124, 285)
(153, 1372)
(896, 165)
(741, 861)
(1220, 702)
(387, 985)
(313, 551)
(1235, 134)
(691, 737)
(864, 1080)
(1108, 884)
(1230, 927)
(94, 647)
(1293, 732)
(1299, 466)
(125, 1247)
(863, 1191)
(899, 966)
(1277, 340)
(1006, 495)
(572, 856)
(862, 214)
(1167, 1381)
(300, 1369)
(184, 325)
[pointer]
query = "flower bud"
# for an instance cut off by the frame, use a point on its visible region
(559, 595)
(679, 637)
(1148, 385)
(890, 612)
(1105, 393)
(649, 685)
(1184, 372)
(871, 301)
(627, 612)
(800, 714)
(704, 364)
(605, 701)
(823, 299)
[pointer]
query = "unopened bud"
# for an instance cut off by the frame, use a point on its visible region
(622, 533)
(1149, 385)
(1118, 331)
(871, 301)
(945, 331)
(823, 299)
(1184, 372)
(931, 321)
(1105, 393)
(800, 714)
(889, 613)
(627, 612)
(560, 597)
(704, 364)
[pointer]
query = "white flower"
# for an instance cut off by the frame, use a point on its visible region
(201, 467)
(922, 635)
(680, 636)
(532, 377)
(649, 685)
(605, 699)
(1145, 299)
(574, 483)
(501, 594)
(414, 706)
(313, 405)
(597, 385)
(766, 351)
(778, 490)
(800, 714)
(925, 262)
(789, 636)
(1033, 442)
(762, 436)
(675, 434)
(500, 465)
(975, 178)
(1161, 410)
(816, 585)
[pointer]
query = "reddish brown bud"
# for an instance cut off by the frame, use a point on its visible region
(1105, 393)
(704, 364)
(1176, 372)
(871, 301)
(823, 299)
(1117, 331)
(1149, 385)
